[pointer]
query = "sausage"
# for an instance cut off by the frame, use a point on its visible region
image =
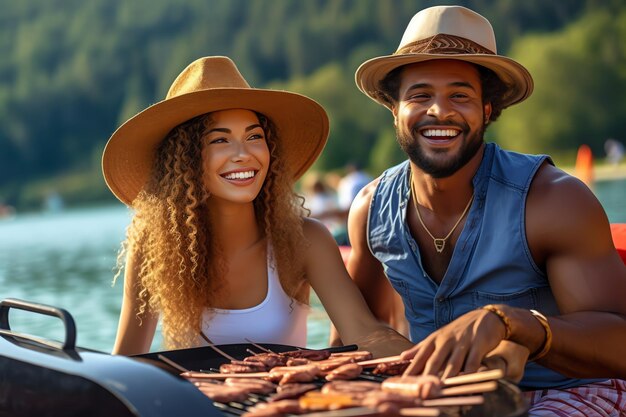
(347, 371)
(391, 368)
(421, 386)
(290, 391)
(313, 355)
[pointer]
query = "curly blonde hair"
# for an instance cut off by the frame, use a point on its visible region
(180, 275)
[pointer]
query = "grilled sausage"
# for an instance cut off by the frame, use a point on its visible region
(313, 355)
(347, 371)
(421, 386)
(391, 368)
(274, 409)
(290, 391)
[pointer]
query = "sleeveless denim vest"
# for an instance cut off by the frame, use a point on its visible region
(491, 262)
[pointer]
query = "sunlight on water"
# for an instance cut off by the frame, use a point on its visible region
(67, 260)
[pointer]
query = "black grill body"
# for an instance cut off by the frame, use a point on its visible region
(41, 378)
(44, 378)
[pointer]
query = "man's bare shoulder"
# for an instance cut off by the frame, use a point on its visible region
(364, 197)
(553, 189)
(563, 215)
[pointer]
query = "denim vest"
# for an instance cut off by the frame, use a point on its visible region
(491, 262)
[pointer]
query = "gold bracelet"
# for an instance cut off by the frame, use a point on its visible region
(503, 317)
(547, 344)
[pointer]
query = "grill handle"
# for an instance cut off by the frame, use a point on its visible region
(64, 315)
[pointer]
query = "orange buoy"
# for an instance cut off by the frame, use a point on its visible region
(584, 165)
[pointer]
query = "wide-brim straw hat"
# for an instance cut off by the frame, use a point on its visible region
(206, 85)
(447, 32)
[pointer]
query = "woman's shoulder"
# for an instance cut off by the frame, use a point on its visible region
(317, 235)
(313, 227)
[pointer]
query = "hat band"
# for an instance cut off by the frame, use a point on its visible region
(443, 44)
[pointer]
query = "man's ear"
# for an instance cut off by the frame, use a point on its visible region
(394, 111)
(487, 111)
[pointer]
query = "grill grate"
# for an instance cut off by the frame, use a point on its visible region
(237, 408)
(506, 401)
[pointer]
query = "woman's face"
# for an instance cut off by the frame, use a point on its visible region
(235, 156)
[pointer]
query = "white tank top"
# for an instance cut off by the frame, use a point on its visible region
(277, 319)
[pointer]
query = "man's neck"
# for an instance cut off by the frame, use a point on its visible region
(444, 195)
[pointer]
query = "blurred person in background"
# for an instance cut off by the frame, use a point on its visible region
(614, 150)
(350, 184)
(321, 200)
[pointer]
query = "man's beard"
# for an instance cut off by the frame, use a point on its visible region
(440, 168)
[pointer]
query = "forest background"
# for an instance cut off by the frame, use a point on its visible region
(72, 70)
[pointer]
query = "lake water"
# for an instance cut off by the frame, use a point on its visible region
(66, 259)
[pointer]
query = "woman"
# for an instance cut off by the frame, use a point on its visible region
(218, 246)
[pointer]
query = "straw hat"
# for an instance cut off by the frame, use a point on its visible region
(206, 85)
(448, 32)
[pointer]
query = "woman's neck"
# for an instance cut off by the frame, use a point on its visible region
(235, 226)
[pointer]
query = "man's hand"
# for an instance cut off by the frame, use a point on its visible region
(458, 347)
(510, 357)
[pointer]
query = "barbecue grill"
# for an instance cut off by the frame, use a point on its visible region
(40, 377)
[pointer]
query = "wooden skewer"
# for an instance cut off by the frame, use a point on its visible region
(215, 348)
(470, 380)
(490, 375)
(374, 362)
(264, 349)
(367, 411)
(454, 401)
(172, 363)
(478, 388)
(419, 412)
(203, 375)
(344, 412)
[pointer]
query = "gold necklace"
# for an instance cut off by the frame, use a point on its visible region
(440, 243)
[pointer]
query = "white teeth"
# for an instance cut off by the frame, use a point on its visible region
(239, 175)
(440, 132)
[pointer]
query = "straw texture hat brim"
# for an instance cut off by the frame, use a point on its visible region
(514, 75)
(128, 157)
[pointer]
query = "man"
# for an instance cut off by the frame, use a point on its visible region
(482, 244)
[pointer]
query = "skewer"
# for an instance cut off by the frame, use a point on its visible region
(419, 412)
(172, 363)
(258, 346)
(477, 388)
(454, 401)
(409, 370)
(215, 348)
(374, 362)
(202, 375)
(366, 411)
(482, 376)
(205, 337)
(450, 391)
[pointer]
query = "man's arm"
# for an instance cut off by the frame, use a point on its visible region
(367, 272)
(569, 232)
(569, 237)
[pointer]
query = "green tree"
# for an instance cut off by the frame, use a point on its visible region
(579, 79)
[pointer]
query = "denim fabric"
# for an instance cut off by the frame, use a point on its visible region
(491, 262)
